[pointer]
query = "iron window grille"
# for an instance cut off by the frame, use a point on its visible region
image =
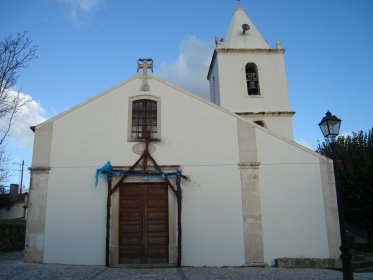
(144, 119)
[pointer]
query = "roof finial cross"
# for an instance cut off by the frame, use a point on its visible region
(145, 63)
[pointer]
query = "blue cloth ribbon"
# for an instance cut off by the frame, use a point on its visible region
(108, 172)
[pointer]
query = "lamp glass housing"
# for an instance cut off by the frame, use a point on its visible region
(330, 125)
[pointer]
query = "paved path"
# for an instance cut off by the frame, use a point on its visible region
(12, 267)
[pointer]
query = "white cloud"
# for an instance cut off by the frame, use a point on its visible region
(77, 8)
(32, 114)
(306, 144)
(189, 71)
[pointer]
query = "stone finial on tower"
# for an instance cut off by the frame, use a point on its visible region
(218, 42)
(145, 63)
(278, 44)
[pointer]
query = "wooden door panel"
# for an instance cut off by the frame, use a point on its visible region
(130, 228)
(157, 216)
(143, 223)
(130, 216)
(131, 240)
(134, 203)
(157, 252)
(132, 190)
(157, 240)
(157, 228)
(131, 251)
(157, 234)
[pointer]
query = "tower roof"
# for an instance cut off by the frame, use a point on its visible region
(237, 39)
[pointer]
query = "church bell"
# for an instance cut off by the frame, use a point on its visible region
(252, 87)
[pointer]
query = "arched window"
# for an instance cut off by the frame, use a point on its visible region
(144, 119)
(252, 79)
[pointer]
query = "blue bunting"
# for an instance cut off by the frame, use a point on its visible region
(109, 173)
(107, 170)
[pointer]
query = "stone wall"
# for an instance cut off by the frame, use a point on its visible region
(12, 235)
(307, 263)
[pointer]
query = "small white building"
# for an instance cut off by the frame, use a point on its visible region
(252, 195)
(17, 208)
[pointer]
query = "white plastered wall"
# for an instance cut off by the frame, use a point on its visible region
(293, 215)
(272, 80)
(228, 68)
(195, 135)
(281, 125)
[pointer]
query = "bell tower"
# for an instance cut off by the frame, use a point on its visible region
(248, 78)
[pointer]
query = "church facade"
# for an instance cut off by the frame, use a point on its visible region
(181, 180)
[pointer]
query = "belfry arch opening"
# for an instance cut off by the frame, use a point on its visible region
(252, 79)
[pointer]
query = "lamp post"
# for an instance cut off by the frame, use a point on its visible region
(329, 126)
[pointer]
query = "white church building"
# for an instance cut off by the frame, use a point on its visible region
(182, 180)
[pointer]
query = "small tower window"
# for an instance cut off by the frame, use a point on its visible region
(144, 119)
(252, 79)
(261, 123)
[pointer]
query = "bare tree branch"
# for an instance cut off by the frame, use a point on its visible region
(4, 161)
(15, 54)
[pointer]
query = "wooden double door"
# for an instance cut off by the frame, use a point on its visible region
(143, 223)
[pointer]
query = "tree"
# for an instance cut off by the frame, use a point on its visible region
(15, 54)
(5, 201)
(4, 161)
(354, 156)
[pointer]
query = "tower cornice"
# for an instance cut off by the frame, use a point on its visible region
(269, 113)
(228, 50)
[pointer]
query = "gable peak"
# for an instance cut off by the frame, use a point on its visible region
(242, 33)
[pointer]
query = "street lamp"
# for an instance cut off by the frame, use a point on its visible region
(329, 126)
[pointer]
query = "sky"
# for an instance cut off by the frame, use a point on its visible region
(87, 46)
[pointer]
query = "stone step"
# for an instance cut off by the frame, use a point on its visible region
(306, 263)
(141, 266)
